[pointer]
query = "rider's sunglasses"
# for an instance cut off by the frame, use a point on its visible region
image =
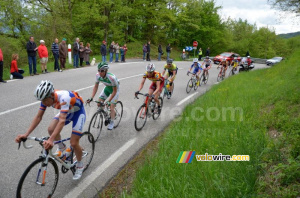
(101, 71)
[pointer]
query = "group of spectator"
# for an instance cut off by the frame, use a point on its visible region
(147, 49)
(200, 53)
(114, 48)
(82, 53)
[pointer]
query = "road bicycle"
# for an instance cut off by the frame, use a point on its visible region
(192, 83)
(220, 78)
(147, 109)
(41, 177)
(165, 91)
(204, 78)
(102, 116)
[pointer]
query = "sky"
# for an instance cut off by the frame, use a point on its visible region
(261, 13)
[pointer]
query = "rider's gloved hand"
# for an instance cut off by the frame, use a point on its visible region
(89, 100)
(152, 96)
(108, 103)
(188, 73)
(137, 92)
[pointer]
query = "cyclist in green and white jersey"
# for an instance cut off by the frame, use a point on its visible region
(110, 91)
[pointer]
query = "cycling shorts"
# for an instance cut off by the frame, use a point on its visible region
(106, 93)
(153, 85)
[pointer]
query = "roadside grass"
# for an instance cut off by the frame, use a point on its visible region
(255, 114)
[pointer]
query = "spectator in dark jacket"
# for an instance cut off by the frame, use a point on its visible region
(81, 53)
(148, 51)
(31, 52)
(125, 51)
(63, 53)
(111, 51)
(160, 52)
(144, 51)
(1, 67)
(168, 50)
(207, 52)
(76, 53)
(103, 51)
(55, 52)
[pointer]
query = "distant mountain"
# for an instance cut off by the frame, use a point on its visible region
(289, 35)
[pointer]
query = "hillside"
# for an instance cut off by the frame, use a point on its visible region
(289, 35)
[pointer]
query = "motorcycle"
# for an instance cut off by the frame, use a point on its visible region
(245, 67)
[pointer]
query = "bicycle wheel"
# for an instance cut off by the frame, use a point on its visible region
(119, 113)
(156, 113)
(206, 80)
(189, 86)
(201, 79)
(31, 183)
(87, 144)
(141, 118)
(96, 124)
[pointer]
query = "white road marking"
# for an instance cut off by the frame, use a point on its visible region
(34, 103)
(184, 100)
(96, 173)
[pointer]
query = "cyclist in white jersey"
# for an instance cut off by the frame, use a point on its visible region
(110, 92)
(206, 65)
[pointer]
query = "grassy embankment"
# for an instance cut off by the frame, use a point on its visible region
(266, 126)
(135, 51)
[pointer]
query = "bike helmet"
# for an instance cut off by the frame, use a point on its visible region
(169, 61)
(195, 60)
(235, 58)
(103, 65)
(150, 67)
(248, 56)
(207, 57)
(43, 90)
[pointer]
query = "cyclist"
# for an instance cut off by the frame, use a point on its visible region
(223, 64)
(197, 69)
(172, 71)
(71, 109)
(110, 91)
(235, 63)
(206, 65)
(156, 85)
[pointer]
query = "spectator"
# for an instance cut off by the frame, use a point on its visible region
(125, 51)
(87, 52)
(103, 51)
(14, 71)
(76, 53)
(81, 53)
(200, 54)
(1, 67)
(207, 52)
(63, 53)
(31, 52)
(111, 51)
(122, 54)
(168, 50)
(144, 51)
(117, 52)
(43, 54)
(55, 52)
(148, 51)
(160, 52)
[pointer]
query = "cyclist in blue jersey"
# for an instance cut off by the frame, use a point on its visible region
(196, 66)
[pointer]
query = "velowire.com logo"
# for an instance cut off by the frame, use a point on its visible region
(185, 157)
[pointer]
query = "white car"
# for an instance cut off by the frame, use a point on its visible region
(273, 61)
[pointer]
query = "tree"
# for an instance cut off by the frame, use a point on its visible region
(286, 5)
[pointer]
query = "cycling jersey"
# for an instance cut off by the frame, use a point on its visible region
(110, 81)
(170, 68)
(224, 63)
(156, 77)
(235, 63)
(207, 62)
(196, 68)
(71, 103)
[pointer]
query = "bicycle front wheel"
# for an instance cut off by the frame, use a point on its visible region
(207, 75)
(87, 144)
(119, 113)
(141, 118)
(96, 124)
(38, 181)
(189, 86)
(201, 79)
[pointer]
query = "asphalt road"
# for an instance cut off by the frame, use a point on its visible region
(114, 148)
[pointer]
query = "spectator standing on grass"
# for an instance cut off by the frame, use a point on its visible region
(207, 52)
(14, 70)
(168, 50)
(87, 52)
(200, 54)
(103, 51)
(125, 51)
(117, 47)
(55, 52)
(144, 52)
(160, 52)
(122, 54)
(76, 53)
(43, 54)
(148, 51)
(1, 67)
(63, 53)
(111, 51)
(81, 53)
(31, 52)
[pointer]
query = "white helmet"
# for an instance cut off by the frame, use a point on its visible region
(150, 67)
(195, 60)
(43, 90)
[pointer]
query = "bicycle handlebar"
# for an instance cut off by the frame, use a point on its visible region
(141, 94)
(40, 140)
